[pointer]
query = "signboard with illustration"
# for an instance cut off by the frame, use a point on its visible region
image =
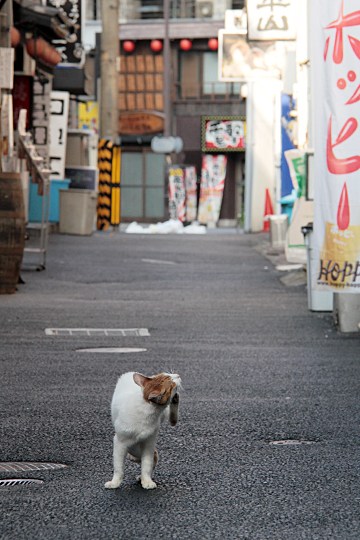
(241, 61)
(223, 133)
(335, 30)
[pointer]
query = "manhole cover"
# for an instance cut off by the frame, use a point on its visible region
(27, 466)
(120, 350)
(97, 332)
(290, 442)
(20, 482)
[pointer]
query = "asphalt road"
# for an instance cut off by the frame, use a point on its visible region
(256, 365)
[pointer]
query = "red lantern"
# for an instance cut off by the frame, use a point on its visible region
(15, 36)
(185, 44)
(129, 46)
(156, 45)
(213, 44)
(40, 49)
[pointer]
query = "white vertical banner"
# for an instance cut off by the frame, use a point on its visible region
(335, 56)
(59, 116)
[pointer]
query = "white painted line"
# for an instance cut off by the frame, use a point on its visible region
(156, 261)
(118, 350)
(97, 332)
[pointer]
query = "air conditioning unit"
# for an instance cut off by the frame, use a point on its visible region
(211, 9)
(204, 9)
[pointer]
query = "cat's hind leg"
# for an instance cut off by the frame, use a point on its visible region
(149, 459)
(156, 459)
(119, 453)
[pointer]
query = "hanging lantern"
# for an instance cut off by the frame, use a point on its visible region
(156, 45)
(213, 44)
(128, 46)
(185, 44)
(15, 36)
(40, 49)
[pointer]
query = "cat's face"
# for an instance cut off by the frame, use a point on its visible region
(159, 389)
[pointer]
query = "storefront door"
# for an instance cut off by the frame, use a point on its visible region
(142, 186)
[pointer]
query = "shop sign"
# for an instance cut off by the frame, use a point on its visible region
(140, 123)
(271, 20)
(223, 134)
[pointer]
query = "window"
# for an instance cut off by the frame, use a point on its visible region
(199, 76)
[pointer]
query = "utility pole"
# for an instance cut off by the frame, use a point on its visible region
(109, 58)
(167, 70)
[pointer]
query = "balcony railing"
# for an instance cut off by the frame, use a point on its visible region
(134, 10)
(212, 91)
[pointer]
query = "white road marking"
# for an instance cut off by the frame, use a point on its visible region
(120, 350)
(158, 261)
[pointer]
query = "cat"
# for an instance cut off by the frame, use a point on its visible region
(139, 405)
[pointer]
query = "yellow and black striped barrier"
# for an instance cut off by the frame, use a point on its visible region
(115, 186)
(109, 163)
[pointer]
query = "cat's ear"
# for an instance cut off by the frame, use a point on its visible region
(140, 380)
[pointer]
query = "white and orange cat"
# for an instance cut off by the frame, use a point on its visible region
(139, 405)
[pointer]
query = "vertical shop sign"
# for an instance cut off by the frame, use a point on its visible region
(213, 173)
(41, 116)
(72, 54)
(59, 115)
(191, 192)
(271, 19)
(176, 193)
(335, 27)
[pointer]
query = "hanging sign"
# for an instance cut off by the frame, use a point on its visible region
(335, 27)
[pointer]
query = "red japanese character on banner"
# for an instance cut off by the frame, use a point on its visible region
(341, 165)
(351, 19)
(348, 164)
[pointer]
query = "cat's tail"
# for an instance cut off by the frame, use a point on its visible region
(138, 460)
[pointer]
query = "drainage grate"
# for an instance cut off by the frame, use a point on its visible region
(20, 482)
(97, 332)
(291, 442)
(27, 466)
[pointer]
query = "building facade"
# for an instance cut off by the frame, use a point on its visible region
(194, 93)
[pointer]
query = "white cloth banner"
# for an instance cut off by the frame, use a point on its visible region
(335, 62)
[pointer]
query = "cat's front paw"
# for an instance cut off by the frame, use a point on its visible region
(112, 484)
(148, 484)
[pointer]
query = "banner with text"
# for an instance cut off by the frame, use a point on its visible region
(335, 30)
(213, 174)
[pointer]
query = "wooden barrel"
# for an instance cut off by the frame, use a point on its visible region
(12, 231)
